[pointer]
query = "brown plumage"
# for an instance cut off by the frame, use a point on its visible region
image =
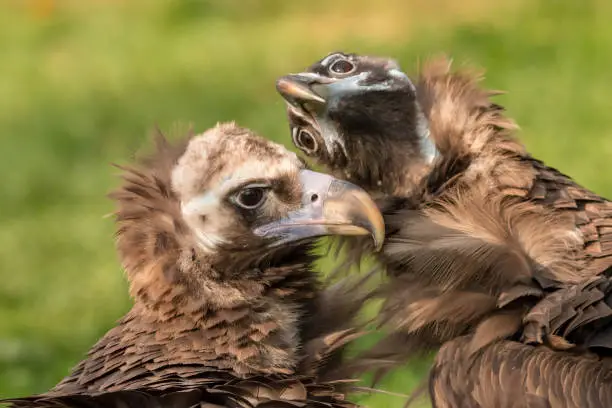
(511, 374)
(215, 234)
(489, 251)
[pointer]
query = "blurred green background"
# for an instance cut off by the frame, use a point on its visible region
(83, 82)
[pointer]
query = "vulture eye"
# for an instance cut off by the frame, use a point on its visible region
(305, 141)
(342, 66)
(250, 197)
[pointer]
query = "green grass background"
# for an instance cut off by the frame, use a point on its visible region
(83, 82)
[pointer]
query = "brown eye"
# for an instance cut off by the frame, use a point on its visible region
(305, 141)
(342, 66)
(250, 198)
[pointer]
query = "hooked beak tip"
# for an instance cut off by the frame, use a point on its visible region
(341, 208)
(295, 89)
(355, 210)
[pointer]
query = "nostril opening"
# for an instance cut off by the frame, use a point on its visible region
(314, 197)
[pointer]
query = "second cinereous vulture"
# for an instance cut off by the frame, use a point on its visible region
(490, 252)
(215, 235)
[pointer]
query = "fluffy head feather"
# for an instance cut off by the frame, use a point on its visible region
(177, 227)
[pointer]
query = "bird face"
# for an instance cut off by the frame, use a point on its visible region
(200, 217)
(348, 109)
(239, 192)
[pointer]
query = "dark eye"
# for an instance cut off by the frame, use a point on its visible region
(305, 141)
(342, 66)
(250, 198)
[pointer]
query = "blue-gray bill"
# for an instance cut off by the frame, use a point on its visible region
(329, 207)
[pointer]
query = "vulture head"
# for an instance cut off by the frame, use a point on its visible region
(358, 115)
(225, 202)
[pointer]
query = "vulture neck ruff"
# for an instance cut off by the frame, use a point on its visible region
(471, 135)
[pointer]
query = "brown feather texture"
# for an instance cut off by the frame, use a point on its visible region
(509, 374)
(456, 268)
(490, 252)
(220, 318)
(503, 225)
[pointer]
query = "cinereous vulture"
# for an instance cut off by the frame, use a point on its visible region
(491, 253)
(215, 234)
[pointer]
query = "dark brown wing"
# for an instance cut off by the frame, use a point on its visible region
(509, 374)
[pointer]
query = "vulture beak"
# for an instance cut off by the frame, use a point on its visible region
(329, 207)
(315, 91)
(303, 89)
